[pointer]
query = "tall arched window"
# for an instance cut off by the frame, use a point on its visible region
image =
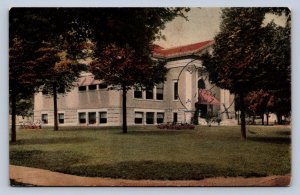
(201, 84)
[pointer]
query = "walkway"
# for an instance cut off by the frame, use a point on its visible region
(40, 177)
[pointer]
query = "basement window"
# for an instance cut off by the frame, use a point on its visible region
(138, 118)
(61, 118)
(160, 117)
(150, 117)
(102, 117)
(82, 117)
(92, 117)
(45, 118)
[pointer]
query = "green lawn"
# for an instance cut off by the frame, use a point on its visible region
(149, 153)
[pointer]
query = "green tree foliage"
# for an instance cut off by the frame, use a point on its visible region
(59, 52)
(124, 42)
(122, 69)
(277, 60)
(245, 54)
(61, 75)
(259, 103)
(46, 33)
(30, 30)
(21, 86)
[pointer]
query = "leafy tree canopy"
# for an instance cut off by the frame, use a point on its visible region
(249, 55)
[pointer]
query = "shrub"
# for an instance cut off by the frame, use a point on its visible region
(177, 126)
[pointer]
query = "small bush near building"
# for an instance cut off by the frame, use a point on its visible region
(177, 126)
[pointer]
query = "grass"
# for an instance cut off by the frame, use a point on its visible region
(149, 153)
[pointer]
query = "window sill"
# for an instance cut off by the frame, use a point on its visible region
(148, 100)
(92, 124)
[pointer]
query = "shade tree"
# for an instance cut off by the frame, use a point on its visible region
(244, 57)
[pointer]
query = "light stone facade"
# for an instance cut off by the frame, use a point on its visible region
(108, 103)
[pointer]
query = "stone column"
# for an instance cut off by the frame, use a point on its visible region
(188, 96)
(222, 102)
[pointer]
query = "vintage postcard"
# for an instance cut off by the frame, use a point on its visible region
(150, 96)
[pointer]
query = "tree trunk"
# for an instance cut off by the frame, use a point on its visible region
(279, 119)
(196, 115)
(262, 119)
(13, 112)
(55, 106)
(124, 109)
(243, 120)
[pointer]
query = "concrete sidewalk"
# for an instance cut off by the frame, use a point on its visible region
(40, 177)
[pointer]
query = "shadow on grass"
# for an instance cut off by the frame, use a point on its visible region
(50, 160)
(271, 140)
(157, 170)
(65, 162)
(158, 132)
(83, 128)
(54, 140)
(283, 132)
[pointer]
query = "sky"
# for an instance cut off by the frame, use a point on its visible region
(202, 25)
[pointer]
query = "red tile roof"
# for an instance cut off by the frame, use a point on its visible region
(159, 52)
(182, 50)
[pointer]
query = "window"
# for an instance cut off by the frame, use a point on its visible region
(92, 117)
(45, 118)
(150, 117)
(82, 88)
(203, 110)
(102, 117)
(92, 87)
(138, 93)
(138, 118)
(102, 86)
(176, 90)
(61, 118)
(149, 93)
(201, 84)
(160, 91)
(160, 117)
(82, 118)
(175, 117)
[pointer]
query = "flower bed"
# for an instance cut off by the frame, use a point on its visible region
(177, 126)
